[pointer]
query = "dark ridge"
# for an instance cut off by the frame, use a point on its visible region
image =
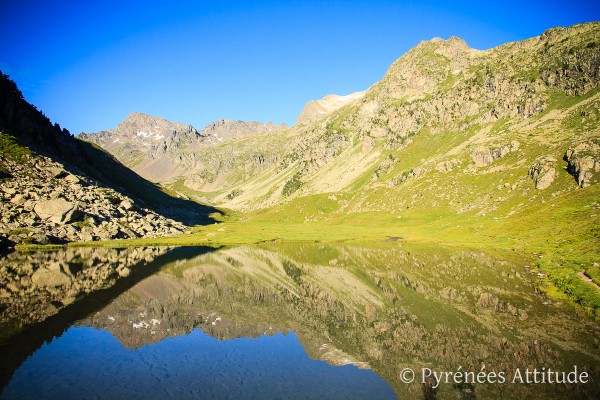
(31, 128)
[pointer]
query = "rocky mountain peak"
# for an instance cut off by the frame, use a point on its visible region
(141, 118)
(455, 41)
(553, 33)
(145, 125)
(425, 67)
(316, 109)
(158, 149)
(451, 46)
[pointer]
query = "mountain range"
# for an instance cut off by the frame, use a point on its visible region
(443, 117)
(159, 149)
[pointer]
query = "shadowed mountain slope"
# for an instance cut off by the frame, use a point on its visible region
(32, 129)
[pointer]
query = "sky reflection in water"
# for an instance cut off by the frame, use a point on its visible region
(91, 363)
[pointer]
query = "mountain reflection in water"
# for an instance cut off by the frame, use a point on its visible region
(193, 366)
(265, 312)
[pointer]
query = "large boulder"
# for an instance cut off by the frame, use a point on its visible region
(543, 172)
(58, 211)
(72, 179)
(127, 204)
(42, 238)
(484, 156)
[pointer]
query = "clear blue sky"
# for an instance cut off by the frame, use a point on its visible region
(88, 64)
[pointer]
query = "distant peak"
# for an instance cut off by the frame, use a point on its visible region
(456, 41)
(143, 118)
(452, 41)
(220, 123)
(336, 98)
(136, 115)
(317, 108)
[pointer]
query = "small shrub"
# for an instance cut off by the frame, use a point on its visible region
(233, 194)
(292, 185)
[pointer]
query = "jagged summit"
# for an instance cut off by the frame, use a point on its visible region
(140, 118)
(424, 67)
(145, 126)
(452, 41)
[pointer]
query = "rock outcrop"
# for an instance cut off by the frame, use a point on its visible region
(543, 172)
(584, 162)
(484, 156)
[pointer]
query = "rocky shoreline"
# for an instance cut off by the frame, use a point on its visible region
(42, 203)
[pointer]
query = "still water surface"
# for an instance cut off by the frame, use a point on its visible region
(287, 321)
(91, 363)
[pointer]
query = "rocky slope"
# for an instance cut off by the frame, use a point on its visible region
(159, 150)
(25, 127)
(43, 203)
(56, 188)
